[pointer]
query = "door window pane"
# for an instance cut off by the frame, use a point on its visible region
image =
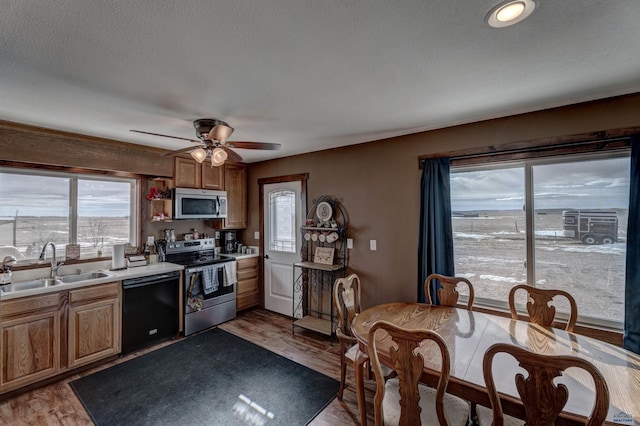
(581, 211)
(489, 236)
(282, 231)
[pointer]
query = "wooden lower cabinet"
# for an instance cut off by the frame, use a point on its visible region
(94, 323)
(48, 334)
(30, 345)
(248, 293)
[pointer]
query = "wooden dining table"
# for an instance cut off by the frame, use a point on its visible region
(469, 334)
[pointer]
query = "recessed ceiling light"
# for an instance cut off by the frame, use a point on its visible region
(510, 12)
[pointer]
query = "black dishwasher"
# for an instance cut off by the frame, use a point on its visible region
(149, 310)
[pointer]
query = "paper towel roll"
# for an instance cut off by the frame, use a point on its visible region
(117, 258)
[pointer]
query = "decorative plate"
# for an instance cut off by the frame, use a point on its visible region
(324, 211)
(307, 236)
(321, 237)
(314, 237)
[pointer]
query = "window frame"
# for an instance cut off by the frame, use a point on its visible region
(528, 163)
(74, 175)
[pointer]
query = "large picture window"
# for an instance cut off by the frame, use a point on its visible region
(37, 207)
(553, 223)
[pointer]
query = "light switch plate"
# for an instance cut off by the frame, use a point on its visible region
(373, 245)
(256, 235)
(349, 243)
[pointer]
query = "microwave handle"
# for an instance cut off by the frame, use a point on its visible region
(219, 205)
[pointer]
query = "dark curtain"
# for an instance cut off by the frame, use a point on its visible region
(435, 246)
(632, 284)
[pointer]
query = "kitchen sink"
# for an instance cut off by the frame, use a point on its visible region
(29, 285)
(49, 282)
(84, 277)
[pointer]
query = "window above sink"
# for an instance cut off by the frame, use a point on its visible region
(86, 213)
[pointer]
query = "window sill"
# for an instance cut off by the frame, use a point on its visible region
(25, 265)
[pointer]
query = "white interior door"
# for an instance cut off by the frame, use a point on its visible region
(282, 221)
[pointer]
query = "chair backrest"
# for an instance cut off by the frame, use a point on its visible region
(409, 367)
(346, 299)
(538, 308)
(448, 293)
(543, 399)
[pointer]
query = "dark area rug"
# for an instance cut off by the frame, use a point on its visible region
(212, 378)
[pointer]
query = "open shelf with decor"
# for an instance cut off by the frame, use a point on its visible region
(159, 196)
(324, 258)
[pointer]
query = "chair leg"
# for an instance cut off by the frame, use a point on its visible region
(343, 375)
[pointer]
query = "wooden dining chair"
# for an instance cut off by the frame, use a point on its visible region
(403, 400)
(448, 292)
(346, 299)
(543, 399)
(538, 308)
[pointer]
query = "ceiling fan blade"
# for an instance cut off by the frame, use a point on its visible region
(179, 151)
(166, 136)
(231, 155)
(252, 145)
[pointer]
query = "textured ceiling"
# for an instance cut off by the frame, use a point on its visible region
(309, 75)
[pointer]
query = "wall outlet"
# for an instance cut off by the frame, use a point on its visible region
(217, 235)
(256, 235)
(373, 245)
(349, 243)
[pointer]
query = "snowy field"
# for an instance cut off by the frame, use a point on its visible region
(490, 252)
(31, 233)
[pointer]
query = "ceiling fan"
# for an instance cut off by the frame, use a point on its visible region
(212, 135)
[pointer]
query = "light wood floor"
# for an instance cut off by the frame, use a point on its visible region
(56, 404)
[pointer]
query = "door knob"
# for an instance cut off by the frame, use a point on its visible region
(266, 256)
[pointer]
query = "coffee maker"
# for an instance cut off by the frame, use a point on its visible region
(230, 243)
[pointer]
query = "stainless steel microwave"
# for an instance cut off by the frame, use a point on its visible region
(189, 203)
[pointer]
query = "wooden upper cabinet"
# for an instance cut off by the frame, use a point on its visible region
(212, 177)
(231, 178)
(190, 174)
(235, 179)
(187, 173)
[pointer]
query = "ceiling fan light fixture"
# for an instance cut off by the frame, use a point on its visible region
(218, 157)
(510, 12)
(220, 133)
(199, 155)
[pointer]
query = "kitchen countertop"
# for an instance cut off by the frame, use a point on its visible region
(238, 256)
(135, 272)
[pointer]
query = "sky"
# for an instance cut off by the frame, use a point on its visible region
(574, 185)
(577, 185)
(49, 196)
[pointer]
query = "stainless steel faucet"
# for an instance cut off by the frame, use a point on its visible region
(54, 264)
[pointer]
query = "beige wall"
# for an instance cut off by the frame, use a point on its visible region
(379, 184)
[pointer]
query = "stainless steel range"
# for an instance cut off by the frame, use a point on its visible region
(210, 283)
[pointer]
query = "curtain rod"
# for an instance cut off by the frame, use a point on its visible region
(605, 138)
